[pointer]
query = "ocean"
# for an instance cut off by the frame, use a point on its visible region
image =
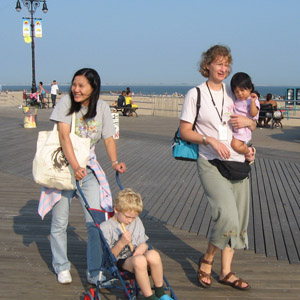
(276, 91)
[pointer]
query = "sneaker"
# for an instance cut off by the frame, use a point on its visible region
(64, 277)
(165, 297)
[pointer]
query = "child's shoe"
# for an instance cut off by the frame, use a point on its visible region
(165, 297)
(251, 155)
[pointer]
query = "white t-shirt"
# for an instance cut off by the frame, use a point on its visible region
(113, 234)
(54, 88)
(208, 121)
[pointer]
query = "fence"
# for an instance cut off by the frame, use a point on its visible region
(163, 106)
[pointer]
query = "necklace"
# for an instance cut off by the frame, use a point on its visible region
(214, 104)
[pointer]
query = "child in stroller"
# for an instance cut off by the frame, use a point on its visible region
(128, 245)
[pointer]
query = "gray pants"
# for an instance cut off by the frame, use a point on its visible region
(229, 203)
(53, 98)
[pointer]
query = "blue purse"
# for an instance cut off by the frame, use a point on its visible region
(183, 150)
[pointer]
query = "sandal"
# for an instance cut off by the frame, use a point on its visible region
(201, 274)
(237, 284)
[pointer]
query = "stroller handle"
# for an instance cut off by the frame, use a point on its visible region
(81, 193)
(119, 181)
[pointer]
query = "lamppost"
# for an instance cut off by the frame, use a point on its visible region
(32, 5)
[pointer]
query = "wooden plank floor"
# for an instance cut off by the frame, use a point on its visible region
(176, 215)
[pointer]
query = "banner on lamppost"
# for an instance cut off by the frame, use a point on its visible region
(38, 28)
(26, 27)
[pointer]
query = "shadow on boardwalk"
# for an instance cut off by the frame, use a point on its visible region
(175, 215)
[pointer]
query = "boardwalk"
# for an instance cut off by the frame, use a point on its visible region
(175, 213)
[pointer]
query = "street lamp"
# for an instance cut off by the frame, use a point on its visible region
(32, 5)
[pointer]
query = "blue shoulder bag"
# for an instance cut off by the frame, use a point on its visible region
(183, 150)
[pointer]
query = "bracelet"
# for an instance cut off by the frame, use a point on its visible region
(114, 162)
(204, 140)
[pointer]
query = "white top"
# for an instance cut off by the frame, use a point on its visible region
(54, 88)
(208, 121)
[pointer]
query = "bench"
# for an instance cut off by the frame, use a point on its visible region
(126, 111)
(268, 111)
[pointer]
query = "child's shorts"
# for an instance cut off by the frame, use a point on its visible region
(120, 264)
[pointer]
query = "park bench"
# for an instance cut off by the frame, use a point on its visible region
(126, 111)
(268, 111)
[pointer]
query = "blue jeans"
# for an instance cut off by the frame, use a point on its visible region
(60, 218)
(53, 98)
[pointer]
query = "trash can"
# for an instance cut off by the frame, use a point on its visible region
(115, 117)
(29, 117)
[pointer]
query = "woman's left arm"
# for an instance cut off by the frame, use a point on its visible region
(238, 121)
(111, 150)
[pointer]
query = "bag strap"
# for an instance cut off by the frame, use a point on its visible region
(73, 122)
(198, 106)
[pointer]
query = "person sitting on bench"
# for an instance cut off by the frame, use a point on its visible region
(129, 103)
(274, 105)
(121, 99)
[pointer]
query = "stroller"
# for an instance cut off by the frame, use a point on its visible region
(277, 117)
(119, 280)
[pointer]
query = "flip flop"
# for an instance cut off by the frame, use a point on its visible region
(237, 284)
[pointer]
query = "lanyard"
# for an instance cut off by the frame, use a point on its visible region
(212, 99)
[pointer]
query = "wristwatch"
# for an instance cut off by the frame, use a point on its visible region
(204, 140)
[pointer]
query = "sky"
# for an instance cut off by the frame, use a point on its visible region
(152, 41)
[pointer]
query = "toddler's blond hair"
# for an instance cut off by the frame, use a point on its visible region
(128, 200)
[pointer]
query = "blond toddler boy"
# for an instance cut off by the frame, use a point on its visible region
(129, 246)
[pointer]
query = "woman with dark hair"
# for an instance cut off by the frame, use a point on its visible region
(93, 120)
(229, 202)
(42, 95)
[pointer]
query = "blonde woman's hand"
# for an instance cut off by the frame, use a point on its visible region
(79, 173)
(219, 147)
(238, 121)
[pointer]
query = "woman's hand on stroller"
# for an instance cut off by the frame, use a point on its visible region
(79, 173)
(119, 167)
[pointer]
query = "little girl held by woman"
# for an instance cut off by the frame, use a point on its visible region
(246, 104)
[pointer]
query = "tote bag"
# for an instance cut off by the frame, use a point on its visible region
(50, 167)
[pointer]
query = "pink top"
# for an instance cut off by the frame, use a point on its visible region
(242, 107)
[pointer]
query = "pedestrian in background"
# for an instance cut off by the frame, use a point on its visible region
(54, 92)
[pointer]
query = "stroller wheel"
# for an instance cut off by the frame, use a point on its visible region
(129, 288)
(88, 296)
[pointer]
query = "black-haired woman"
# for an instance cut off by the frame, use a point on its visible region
(93, 120)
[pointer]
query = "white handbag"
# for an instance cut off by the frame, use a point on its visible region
(50, 167)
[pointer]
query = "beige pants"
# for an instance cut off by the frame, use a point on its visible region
(229, 202)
